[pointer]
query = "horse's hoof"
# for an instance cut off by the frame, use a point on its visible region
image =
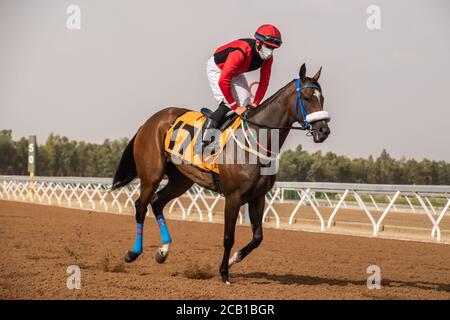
(131, 256)
(225, 279)
(160, 256)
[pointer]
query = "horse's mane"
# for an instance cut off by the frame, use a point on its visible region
(264, 104)
(276, 94)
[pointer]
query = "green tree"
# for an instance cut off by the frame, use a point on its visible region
(59, 156)
(8, 153)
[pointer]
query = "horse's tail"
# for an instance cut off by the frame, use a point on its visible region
(126, 172)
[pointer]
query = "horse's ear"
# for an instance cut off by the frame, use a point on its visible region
(317, 75)
(302, 73)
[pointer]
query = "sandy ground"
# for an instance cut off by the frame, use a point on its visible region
(37, 243)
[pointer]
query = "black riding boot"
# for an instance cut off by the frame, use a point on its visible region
(214, 121)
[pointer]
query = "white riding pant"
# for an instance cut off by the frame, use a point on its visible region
(239, 85)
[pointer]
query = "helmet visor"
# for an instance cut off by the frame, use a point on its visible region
(270, 40)
(273, 41)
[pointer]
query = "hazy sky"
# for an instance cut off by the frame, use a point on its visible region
(384, 88)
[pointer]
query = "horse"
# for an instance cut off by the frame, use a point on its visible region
(301, 100)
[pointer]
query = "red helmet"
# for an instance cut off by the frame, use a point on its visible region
(269, 34)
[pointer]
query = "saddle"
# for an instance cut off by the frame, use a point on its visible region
(229, 118)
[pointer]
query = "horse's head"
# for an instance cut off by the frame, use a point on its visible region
(309, 105)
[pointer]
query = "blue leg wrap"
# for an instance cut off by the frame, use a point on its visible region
(138, 242)
(165, 236)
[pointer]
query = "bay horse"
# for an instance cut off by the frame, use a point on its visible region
(301, 100)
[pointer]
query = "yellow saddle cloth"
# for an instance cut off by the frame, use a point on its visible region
(183, 140)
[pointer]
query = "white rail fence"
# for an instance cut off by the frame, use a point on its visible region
(95, 194)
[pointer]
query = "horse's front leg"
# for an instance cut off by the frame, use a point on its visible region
(232, 205)
(256, 211)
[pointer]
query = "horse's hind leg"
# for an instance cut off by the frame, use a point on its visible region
(149, 184)
(176, 186)
(256, 211)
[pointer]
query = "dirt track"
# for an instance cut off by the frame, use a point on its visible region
(37, 243)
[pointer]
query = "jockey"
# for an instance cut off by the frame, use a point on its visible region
(226, 68)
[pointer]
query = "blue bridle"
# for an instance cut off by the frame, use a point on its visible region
(299, 101)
